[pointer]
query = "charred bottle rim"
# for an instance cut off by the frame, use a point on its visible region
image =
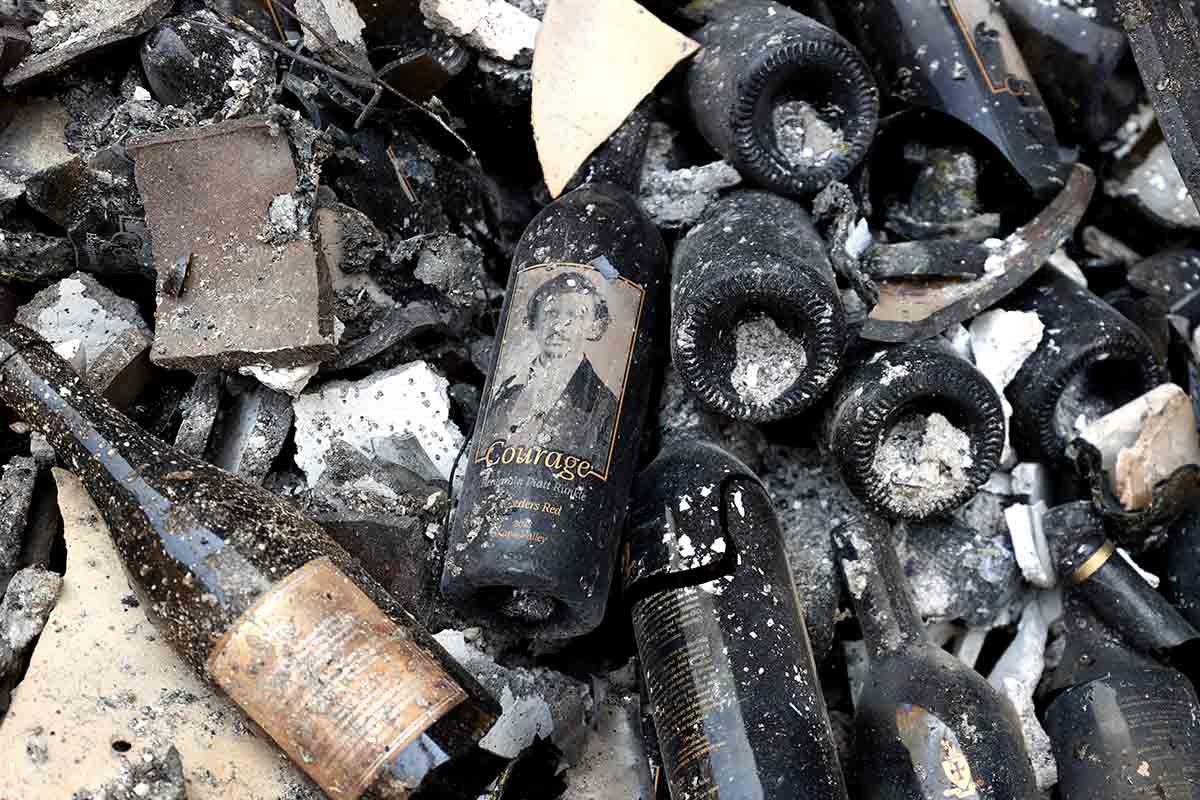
(1101, 377)
(905, 380)
(761, 55)
(828, 73)
(802, 306)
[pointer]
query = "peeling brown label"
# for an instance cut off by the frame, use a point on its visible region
(992, 46)
(338, 685)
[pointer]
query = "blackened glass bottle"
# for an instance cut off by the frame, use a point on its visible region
(728, 670)
(261, 602)
(1090, 361)
(534, 538)
(926, 725)
(1122, 598)
(758, 329)
(1181, 566)
(786, 100)
(1122, 726)
(915, 430)
(959, 58)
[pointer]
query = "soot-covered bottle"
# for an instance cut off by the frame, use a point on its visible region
(260, 601)
(1122, 726)
(728, 671)
(926, 725)
(786, 100)
(1090, 361)
(914, 430)
(534, 539)
(758, 329)
(958, 57)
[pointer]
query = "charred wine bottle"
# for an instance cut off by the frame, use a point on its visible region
(926, 725)
(1090, 361)
(1122, 727)
(1077, 51)
(535, 534)
(261, 601)
(958, 57)
(1181, 566)
(1121, 597)
(788, 101)
(915, 430)
(758, 329)
(729, 674)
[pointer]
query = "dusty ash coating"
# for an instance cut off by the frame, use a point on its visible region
(922, 461)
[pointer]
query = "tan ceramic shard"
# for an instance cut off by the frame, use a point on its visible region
(100, 675)
(593, 63)
(1144, 441)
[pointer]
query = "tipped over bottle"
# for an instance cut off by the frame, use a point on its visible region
(260, 601)
(730, 678)
(926, 725)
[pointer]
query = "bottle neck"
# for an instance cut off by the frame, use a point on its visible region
(878, 587)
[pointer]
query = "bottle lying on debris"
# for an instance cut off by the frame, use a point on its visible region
(959, 58)
(758, 329)
(1122, 726)
(1090, 361)
(534, 539)
(915, 430)
(1122, 598)
(786, 100)
(262, 602)
(728, 671)
(926, 725)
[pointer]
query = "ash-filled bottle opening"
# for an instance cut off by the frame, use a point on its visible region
(809, 118)
(769, 358)
(1094, 390)
(523, 605)
(925, 459)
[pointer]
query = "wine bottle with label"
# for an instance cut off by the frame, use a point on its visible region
(728, 670)
(958, 57)
(926, 725)
(262, 602)
(533, 542)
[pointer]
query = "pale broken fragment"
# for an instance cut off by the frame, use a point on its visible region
(399, 416)
(1001, 341)
(1144, 441)
(207, 193)
(333, 32)
(252, 432)
(676, 198)
(81, 28)
(32, 141)
(1016, 676)
(27, 603)
(140, 694)
(537, 703)
(1029, 543)
(593, 64)
(613, 761)
(498, 29)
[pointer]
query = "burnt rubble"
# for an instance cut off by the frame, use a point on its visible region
(277, 235)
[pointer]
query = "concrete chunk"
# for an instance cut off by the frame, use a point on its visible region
(79, 307)
(400, 416)
(537, 703)
(33, 140)
(121, 371)
(494, 27)
(199, 411)
(73, 30)
(16, 494)
(26, 606)
(253, 431)
(207, 193)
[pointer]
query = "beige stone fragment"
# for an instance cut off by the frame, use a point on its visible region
(101, 675)
(594, 62)
(1144, 441)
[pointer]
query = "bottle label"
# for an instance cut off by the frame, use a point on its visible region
(692, 693)
(937, 757)
(338, 685)
(991, 46)
(557, 389)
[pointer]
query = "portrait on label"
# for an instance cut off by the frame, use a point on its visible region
(563, 362)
